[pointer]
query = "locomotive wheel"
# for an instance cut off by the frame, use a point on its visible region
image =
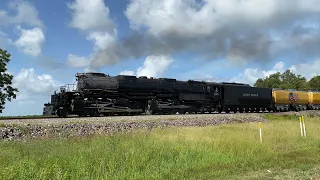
(138, 105)
(58, 113)
(182, 111)
(150, 112)
(62, 113)
(94, 113)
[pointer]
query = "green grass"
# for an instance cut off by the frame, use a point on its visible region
(24, 117)
(226, 152)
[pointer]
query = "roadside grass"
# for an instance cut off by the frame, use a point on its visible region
(230, 151)
(24, 117)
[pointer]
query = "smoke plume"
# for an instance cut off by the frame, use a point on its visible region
(237, 30)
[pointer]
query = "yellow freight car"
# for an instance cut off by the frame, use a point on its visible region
(314, 99)
(284, 97)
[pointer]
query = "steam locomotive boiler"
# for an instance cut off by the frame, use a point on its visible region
(98, 93)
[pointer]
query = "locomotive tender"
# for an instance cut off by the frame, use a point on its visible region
(100, 94)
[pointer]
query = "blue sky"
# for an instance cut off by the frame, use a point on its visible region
(50, 41)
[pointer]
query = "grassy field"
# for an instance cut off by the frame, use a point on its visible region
(216, 152)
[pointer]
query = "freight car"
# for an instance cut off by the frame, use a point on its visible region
(290, 100)
(314, 100)
(98, 93)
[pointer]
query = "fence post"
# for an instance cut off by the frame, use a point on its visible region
(304, 127)
(301, 129)
(260, 131)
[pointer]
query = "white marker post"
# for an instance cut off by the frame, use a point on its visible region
(301, 129)
(304, 127)
(260, 130)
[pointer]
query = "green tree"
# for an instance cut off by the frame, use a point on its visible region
(7, 92)
(286, 80)
(293, 81)
(272, 81)
(314, 83)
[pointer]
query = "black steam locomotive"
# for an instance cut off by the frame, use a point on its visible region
(100, 94)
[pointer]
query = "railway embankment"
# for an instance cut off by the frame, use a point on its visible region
(20, 129)
(82, 127)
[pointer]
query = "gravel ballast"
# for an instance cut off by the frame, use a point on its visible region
(73, 127)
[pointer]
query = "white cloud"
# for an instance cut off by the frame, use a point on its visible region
(251, 75)
(30, 84)
(93, 19)
(102, 53)
(90, 16)
(279, 66)
(169, 16)
(34, 90)
(230, 29)
(80, 62)
(153, 66)
(30, 41)
(101, 40)
(128, 73)
(77, 61)
(238, 30)
(307, 69)
(26, 13)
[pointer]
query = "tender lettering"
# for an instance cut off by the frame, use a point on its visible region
(251, 95)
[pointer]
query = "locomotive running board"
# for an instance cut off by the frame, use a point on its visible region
(116, 109)
(167, 106)
(119, 109)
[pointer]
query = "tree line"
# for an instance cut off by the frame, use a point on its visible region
(289, 80)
